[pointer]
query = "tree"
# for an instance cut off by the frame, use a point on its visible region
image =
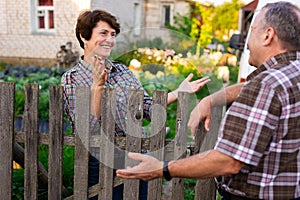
(205, 22)
(201, 30)
(226, 18)
(197, 26)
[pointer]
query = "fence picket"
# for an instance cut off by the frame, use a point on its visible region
(55, 143)
(157, 141)
(133, 138)
(180, 141)
(31, 141)
(107, 143)
(206, 188)
(82, 110)
(7, 95)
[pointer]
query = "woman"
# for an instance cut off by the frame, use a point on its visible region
(96, 32)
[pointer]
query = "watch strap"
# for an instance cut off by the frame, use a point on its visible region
(166, 172)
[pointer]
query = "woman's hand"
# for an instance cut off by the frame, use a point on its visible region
(187, 86)
(191, 87)
(100, 74)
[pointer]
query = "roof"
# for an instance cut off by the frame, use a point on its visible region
(250, 6)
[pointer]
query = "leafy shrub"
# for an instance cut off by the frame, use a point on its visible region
(45, 77)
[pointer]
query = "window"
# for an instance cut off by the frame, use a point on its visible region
(44, 16)
(167, 16)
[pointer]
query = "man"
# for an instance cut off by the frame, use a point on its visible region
(257, 151)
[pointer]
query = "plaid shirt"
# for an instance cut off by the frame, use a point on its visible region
(262, 130)
(120, 78)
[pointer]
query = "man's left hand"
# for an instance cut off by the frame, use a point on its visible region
(148, 169)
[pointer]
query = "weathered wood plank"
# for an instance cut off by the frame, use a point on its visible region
(180, 140)
(31, 140)
(56, 143)
(69, 139)
(157, 142)
(206, 188)
(82, 110)
(7, 99)
(108, 105)
(133, 139)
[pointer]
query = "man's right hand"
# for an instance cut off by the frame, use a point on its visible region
(201, 112)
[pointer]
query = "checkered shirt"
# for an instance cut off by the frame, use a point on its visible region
(262, 130)
(120, 78)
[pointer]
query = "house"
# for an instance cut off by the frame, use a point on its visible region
(32, 31)
(246, 14)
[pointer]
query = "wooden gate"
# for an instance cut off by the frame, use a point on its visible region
(86, 143)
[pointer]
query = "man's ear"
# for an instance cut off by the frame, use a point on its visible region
(269, 34)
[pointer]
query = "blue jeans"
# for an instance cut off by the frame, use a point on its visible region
(93, 179)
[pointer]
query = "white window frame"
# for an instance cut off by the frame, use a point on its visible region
(42, 11)
(163, 13)
(137, 18)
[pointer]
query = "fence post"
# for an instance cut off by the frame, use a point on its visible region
(133, 138)
(56, 135)
(157, 138)
(180, 142)
(7, 99)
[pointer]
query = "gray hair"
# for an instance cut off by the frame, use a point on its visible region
(284, 18)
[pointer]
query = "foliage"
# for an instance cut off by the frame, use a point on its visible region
(226, 17)
(68, 163)
(201, 30)
(197, 26)
(22, 75)
(206, 23)
(182, 23)
(234, 72)
(189, 188)
(68, 173)
(18, 184)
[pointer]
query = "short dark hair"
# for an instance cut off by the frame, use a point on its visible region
(88, 19)
(283, 17)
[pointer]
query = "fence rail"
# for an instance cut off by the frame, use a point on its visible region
(101, 144)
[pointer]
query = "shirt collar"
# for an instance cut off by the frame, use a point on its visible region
(282, 58)
(85, 65)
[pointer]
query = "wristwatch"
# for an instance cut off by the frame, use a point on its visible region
(166, 172)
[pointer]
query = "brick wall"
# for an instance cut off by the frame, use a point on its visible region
(19, 42)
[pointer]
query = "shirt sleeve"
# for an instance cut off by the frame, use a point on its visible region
(68, 95)
(69, 104)
(249, 124)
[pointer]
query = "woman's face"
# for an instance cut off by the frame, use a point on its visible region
(102, 41)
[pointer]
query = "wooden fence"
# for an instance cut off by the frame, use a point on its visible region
(83, 142)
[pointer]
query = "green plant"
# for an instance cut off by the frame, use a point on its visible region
(189, 188)
(30, 75)
(18, 184)
(234, 72)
